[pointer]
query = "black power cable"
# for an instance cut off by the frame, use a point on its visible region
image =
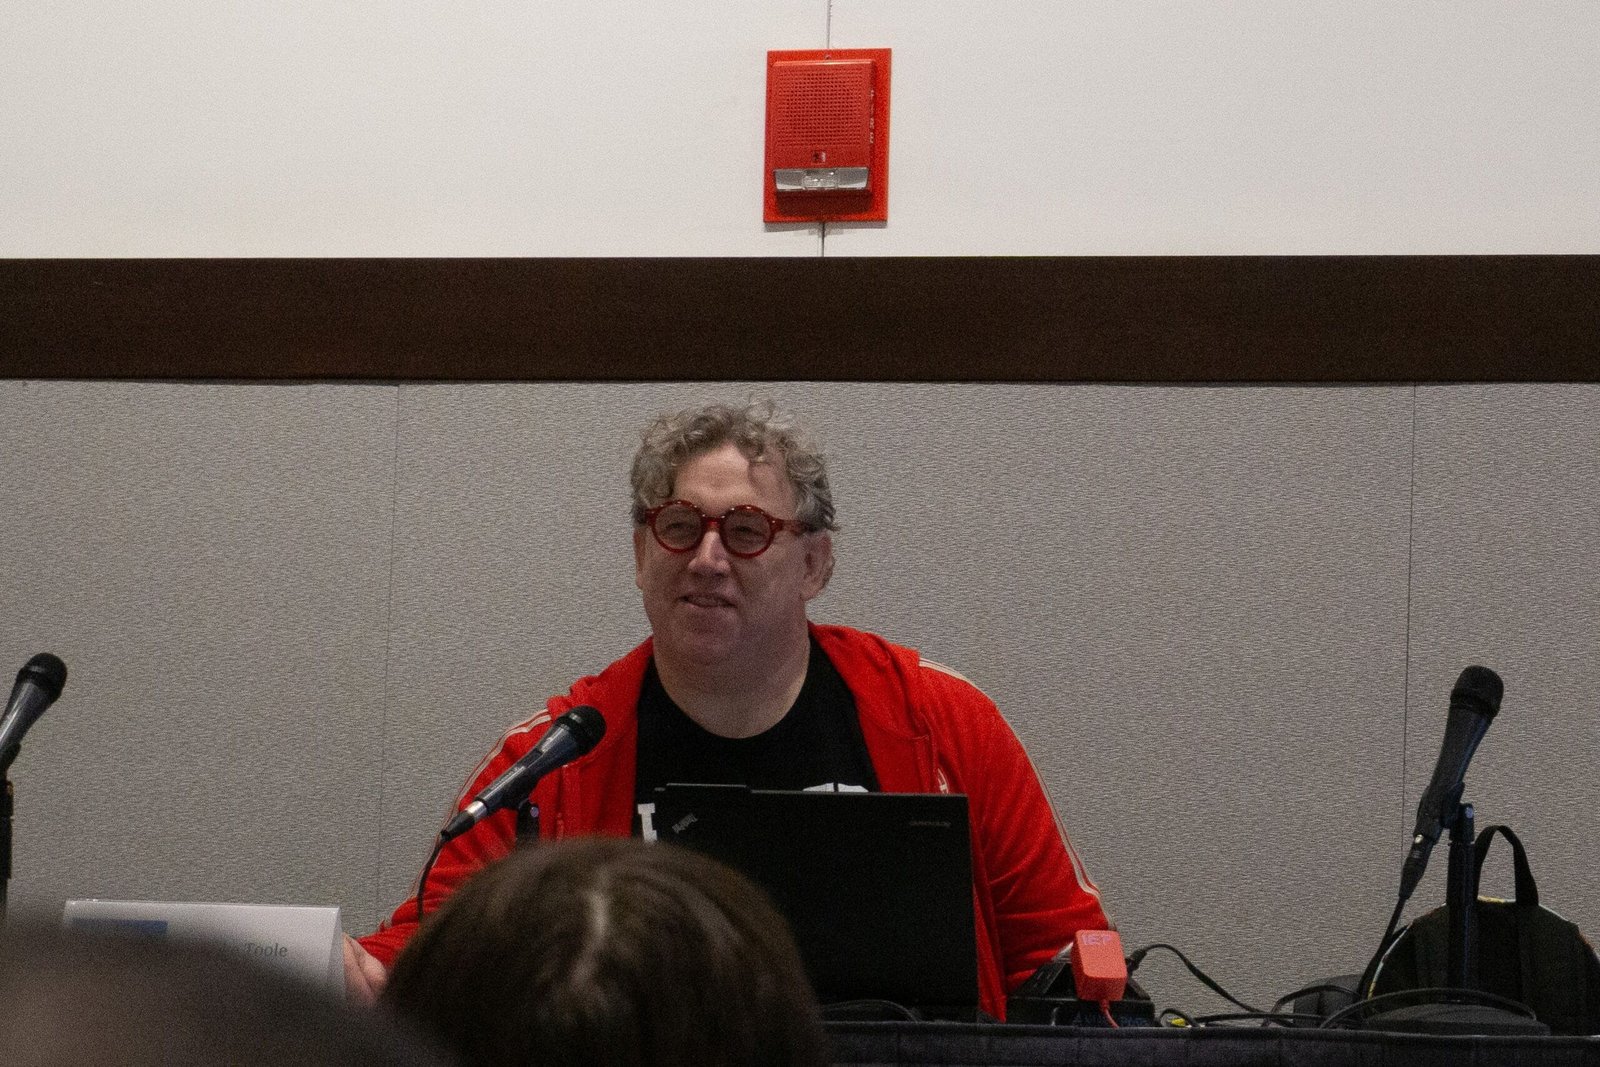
(1210, 983)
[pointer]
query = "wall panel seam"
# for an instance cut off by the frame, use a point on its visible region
(1411, 566)
(388, 652)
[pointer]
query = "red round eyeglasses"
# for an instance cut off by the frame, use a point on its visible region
(745, 529)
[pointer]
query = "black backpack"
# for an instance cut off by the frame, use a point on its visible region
(1525, 952)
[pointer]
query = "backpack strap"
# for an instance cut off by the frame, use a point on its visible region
(1525, 951)
(1527, 891)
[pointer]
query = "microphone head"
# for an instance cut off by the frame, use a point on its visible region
(1478, 689)
(45, 671)
(588, 726)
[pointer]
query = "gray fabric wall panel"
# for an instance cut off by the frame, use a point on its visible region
(212, 563)
(1191, 605)
(296, 616)
(513, 577)
(1505, 573)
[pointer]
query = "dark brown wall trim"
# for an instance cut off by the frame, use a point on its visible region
(1065, 319)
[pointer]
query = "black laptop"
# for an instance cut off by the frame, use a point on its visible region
(877, 887)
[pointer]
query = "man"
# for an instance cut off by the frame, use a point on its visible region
(731, 541)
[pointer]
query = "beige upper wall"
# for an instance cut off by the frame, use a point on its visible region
(628, 128)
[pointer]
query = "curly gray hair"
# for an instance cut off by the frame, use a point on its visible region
(760, 431)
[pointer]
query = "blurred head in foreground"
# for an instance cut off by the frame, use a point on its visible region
(610, 951)
(71, 998)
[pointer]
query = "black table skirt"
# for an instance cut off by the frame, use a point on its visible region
(974, 1045)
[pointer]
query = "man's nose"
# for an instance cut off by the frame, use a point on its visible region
(710, 553)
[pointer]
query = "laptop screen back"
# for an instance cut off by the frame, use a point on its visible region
(877, 887)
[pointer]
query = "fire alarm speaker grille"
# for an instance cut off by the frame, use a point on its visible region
(821, 112)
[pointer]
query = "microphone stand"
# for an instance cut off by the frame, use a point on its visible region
(1458, 1015)
(1461, 896)
(527, 822)
(6, 807)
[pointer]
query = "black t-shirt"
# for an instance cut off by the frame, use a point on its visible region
(816, 745)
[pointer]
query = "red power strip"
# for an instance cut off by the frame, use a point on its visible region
(1099, 970)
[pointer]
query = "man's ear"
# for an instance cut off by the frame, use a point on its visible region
(818, 561)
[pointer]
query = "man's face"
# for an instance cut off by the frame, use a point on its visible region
(708, 608)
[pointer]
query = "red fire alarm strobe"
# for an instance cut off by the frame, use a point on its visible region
(827, 136)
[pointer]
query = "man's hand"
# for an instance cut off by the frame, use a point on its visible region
(364, 976)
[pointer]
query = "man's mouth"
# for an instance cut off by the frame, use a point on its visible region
(706, 600)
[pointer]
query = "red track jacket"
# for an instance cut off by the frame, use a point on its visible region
(927, 730)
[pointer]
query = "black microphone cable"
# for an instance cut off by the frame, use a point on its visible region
(422, 879)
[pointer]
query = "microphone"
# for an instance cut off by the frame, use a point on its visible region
(1473, 704)
(572, 735)
(39, 682)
